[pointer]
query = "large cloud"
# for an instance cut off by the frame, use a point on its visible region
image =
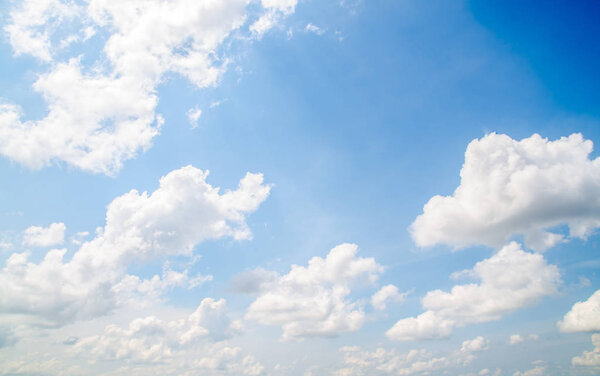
(583, 316)
(311, 301)
(184, 211)
(510, 279)
(511, 187)
(99, 117)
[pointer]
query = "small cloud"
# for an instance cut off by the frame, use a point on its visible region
(515, 339)
(584, 282)
(44, 236)
(310, 28)
(217, 103)
(77, 239)
(194, 115)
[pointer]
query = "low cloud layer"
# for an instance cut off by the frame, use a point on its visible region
(359, 362)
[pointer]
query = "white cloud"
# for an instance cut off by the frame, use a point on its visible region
(387, 293)
(284, 6)
(184, 211)
(583, 316)
(193, 115)
(537, 371)
(476, 344)
(151, 340)
(510, 279)
(311, 301)
(589, 358)
(149, 345)
(511, 187)
(45, 236)
(516, 339)
(310, 28)
(359, 362)
(32, 24)
(100, 116)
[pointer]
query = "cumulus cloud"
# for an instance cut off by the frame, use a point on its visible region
(536, 371)
(511, 187)
(475, 345)
(184, 211)
(387, 293)
(100, 116)
(589, 358)
(45, 236)
(152, 340)
(516, 339)
(196, 342)
(194, 115)
(359, 362)
(312, 301)
(509, 280)
(583, 316)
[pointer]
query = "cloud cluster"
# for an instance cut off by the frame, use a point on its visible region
(536, 371)
(359, 362)
(184, 211)
(583, 316)
(151, 340)
(590, 358)
(511, 187)
(100, 116)
(509, 280)
(44, 236)
(311, 301)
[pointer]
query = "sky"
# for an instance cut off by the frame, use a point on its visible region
(299, 187)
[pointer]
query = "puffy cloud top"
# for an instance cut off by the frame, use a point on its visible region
(510, 279)
(511, 187)
(311, 301)
(184, 211)
(583, 317)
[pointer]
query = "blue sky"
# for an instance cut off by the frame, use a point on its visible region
(350, 116)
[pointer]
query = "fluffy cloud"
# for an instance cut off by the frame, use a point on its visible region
(44, 236)
(311, 301)
(360, 362)
(99, 117)
(589, 358)
(511, 187)
(184, 211)
(151, 340)
(475, 345)
(510, 279)
(583, 316)
(516, 339)
(387, 293)
(153, 346)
